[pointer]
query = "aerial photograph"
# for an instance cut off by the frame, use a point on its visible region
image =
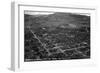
(50, 36)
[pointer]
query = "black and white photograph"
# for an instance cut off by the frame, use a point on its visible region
(56, 36)
(53, 37)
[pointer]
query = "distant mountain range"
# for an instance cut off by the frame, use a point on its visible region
(58, 19)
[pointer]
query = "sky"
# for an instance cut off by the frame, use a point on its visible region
(38, 13)
(48, 13)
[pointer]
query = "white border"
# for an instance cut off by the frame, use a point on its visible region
(18, 55)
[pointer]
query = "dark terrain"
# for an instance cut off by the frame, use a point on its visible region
(58, 36)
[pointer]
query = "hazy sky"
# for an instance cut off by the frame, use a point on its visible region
(38, 13)
(47, 13)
